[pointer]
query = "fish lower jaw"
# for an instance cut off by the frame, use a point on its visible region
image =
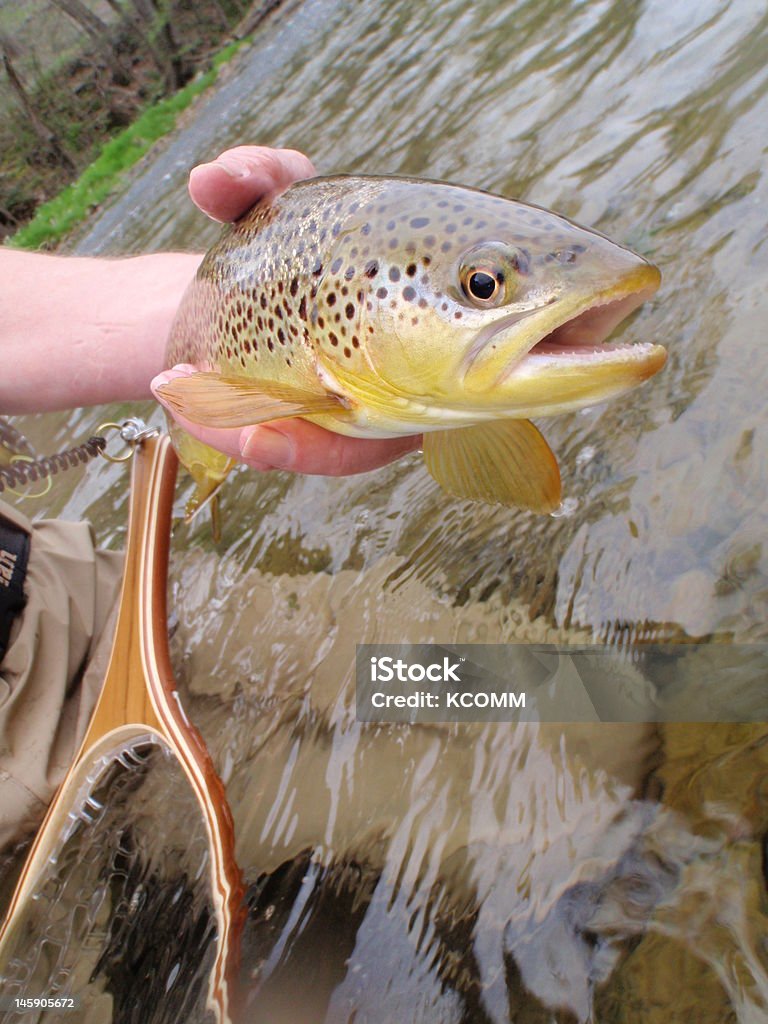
(547, 355)
(555, 379)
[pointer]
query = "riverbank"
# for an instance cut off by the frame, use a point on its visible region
(54, 219)
(53, 179)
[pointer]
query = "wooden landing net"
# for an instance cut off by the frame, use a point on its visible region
(140, 825)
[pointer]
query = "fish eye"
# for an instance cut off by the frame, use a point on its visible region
(483, 285)
(487, 274)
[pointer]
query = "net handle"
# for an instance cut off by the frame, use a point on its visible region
(139, 695)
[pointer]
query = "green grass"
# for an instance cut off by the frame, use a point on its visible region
(54, 219)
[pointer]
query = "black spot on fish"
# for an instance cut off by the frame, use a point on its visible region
(303, 307)
(336, 265)
(349, 273)
(332, 338)
(382, 293)
(394, 274)
(419, 222)
(411, 270)
(409, 294)
(371, 268)
(349, 309)
(331, 300)
(281, 335)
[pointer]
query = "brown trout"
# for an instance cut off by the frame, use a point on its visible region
(379, 307)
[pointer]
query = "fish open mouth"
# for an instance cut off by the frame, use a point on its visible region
(586, 331)
(572, 364)
(580, 339)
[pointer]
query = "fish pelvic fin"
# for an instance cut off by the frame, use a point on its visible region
(207, 489)
(214, 400)
(207, 467)
(504, 462)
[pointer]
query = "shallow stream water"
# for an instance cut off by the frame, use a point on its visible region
(532, 873)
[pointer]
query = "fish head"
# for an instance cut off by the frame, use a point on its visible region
(466, 303)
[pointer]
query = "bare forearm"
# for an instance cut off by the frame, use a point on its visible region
(84, 331)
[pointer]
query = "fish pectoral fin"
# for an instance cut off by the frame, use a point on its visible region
(505, 462)
(214, 400)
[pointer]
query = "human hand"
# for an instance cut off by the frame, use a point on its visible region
(224, 189)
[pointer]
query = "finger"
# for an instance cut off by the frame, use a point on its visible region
(235, 180)
(294, 444)
(304, 447)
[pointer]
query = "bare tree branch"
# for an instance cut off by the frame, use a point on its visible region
(46, 136)
(97, 29)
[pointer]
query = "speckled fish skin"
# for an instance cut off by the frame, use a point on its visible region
(357, 288)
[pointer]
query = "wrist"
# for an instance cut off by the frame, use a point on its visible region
(85, 331)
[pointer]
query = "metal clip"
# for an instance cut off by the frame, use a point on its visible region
(132, 432)
(135, 431)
